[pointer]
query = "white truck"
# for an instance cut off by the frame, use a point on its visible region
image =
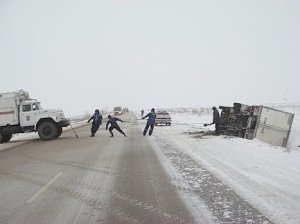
(265, 123)
(19, 114)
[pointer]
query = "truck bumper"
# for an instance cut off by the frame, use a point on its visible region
(64, 123)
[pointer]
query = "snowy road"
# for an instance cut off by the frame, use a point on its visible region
(88, 180)
(114, 180)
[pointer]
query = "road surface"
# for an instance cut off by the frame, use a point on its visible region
(89, 180)
(134, 179)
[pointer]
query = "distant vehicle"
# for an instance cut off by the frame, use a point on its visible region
(125, 110)
(19, 114)
(118, 111)
(163, 117)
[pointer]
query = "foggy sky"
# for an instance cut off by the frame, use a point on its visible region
(80, 55)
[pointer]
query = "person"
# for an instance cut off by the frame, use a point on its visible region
(142, 112)
(114, 125)
(150, 122)
(97, 121)
(216, 120)
(248, 126)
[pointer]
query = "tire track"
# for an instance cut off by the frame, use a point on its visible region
(130, 200)
(93, 203)
(97, 204)
(173, 181)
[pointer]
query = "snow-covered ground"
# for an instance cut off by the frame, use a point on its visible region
(268, 177)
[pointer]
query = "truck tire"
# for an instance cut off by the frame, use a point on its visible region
(47, 130)
(5, 138)
(59, 132)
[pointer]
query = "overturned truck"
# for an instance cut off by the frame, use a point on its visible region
(265, 123)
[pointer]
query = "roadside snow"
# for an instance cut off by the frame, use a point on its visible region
(267, 177)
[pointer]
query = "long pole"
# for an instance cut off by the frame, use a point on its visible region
(74, 131)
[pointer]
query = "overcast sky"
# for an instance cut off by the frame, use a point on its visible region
(79, 55)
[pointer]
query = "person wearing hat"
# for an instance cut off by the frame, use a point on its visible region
(150, 122)
(97, 121)
(114, 125)
(216, 120)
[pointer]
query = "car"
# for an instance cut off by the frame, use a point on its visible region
(118, 111)
(163, 117)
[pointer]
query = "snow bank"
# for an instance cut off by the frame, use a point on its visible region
(266, 176)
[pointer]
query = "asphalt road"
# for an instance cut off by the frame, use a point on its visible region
(89, 180)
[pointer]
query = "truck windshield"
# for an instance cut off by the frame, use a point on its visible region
(36, 106)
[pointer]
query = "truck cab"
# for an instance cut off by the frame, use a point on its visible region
(28, 113)
(19, 114)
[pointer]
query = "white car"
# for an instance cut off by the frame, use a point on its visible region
(163, 117)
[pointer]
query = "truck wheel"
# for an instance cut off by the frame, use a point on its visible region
(1, 138)
(47, 130)
(59, 132)
(5, 138)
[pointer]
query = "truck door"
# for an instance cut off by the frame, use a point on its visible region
(27, 117)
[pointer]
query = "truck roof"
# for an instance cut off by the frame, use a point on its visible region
(21, 94)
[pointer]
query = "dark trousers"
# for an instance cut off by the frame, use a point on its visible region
(217, 127)
(146, 129)
(94, 128)
(115, 127)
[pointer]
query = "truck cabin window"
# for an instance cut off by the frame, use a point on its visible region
(36, 106)
(26, 108)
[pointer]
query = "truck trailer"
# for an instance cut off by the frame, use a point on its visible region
(265, 123)
(19, 114)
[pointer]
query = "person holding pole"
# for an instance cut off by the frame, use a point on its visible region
(150, 122)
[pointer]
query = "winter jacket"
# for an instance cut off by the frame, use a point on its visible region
(113, 122)
(216, 117)
(97, 119)
(151, 117)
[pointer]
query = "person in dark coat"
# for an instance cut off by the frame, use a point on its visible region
(216, 120)
(150, 122)
(97, 121)
(114, 125)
